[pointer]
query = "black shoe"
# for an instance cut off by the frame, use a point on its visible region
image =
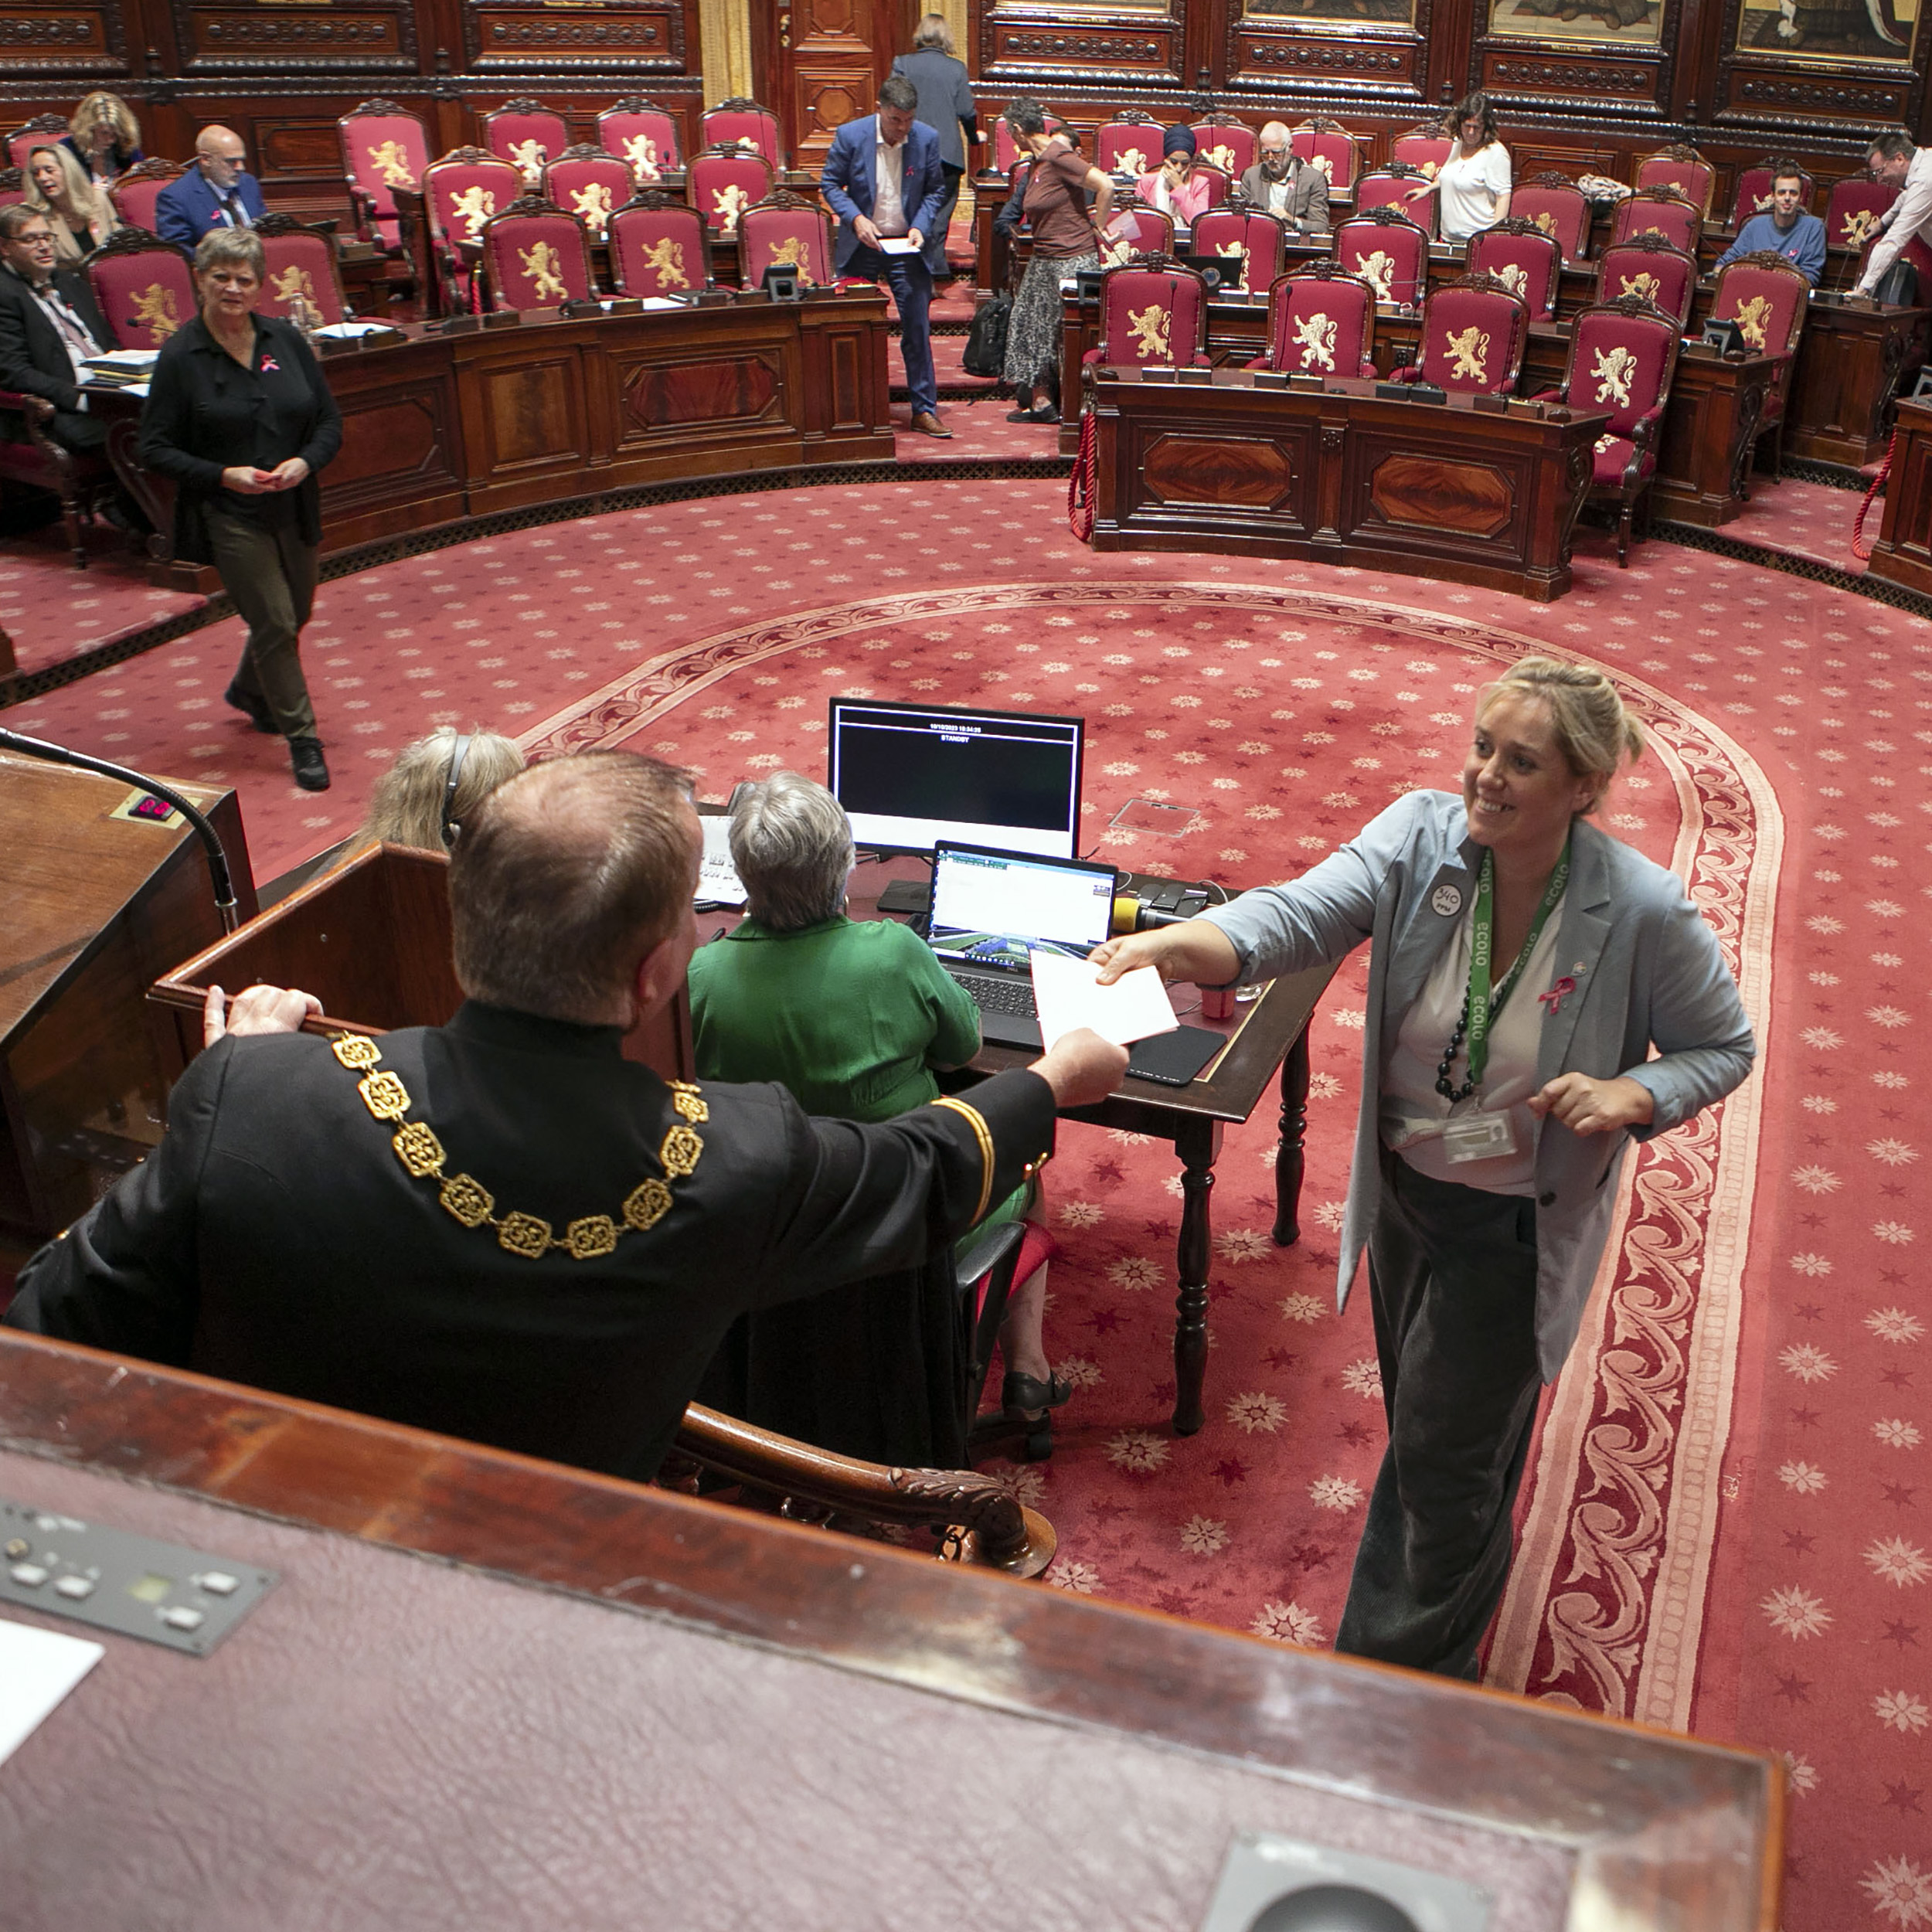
(305, 754)
(1023, 1398)
(253, 708)
(1033, 416)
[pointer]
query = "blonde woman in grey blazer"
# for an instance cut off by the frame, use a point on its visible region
(1484, 1194)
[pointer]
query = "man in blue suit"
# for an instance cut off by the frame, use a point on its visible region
(216, 193)
(883, 180)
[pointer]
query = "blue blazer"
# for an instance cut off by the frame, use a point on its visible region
(186, 210)
(1648, 972)
(848, 186)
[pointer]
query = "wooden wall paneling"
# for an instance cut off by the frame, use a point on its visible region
(67, 37)
(1023, 47)
(1296, 58)
(1837, 74)
(628, 37)
(526, 417)
(825, 59)
(402, 464)
(278, 40)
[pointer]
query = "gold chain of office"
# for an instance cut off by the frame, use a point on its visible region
(468, 1201)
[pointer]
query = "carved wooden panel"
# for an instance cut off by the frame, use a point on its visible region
(1816, 66)
(847, 355)
(1144, 49)
(531, 414)
(273, 39)
(1280, 54)
(616, 35)
(279, 148)
(1796, 97)
(387, 440)
(662, 395)
(1510, 71)
(823, 99)
(1434, 493)
(1251, 474)
(62, 40)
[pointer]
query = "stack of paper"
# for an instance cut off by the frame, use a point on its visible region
(1068, 994)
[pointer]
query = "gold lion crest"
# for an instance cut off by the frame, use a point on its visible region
(1468, 355)
(728, 203)
(528, 156)
(292, 284)
(472, 208)
(1514, 278)
(1378, 271)
(642, 152)
(1860, 225)
(1222, 158)
(791, 253)
(540, 266)
(1753, 318)
(1547, 222)
(1130, 161)
(1314, 336)
(1649, 287)
(594, 204)
(1235, 251)
(155, 311)
(665, 260)
(1153, 332)
(392, 164)
(1613, 369)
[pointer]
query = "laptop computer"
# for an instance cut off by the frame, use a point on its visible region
(991, 910)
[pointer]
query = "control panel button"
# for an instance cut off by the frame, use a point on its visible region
(75, 1587)
(218, 1583)
(31, 1576)
(16, 1547)
(182, 1617)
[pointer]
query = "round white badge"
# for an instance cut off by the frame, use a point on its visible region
(1446, 900)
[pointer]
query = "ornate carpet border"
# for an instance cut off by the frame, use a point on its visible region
(1627, 1487)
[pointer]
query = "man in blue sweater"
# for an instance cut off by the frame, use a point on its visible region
(1783, 228)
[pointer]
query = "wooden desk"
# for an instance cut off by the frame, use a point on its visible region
(443, 426)
(1902, 554)
(1851, 361)
(1340, 475)
(1704, 457)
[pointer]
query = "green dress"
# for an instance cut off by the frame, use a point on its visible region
(854, 1017)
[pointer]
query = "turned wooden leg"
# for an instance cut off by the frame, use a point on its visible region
(1197, 1147)
(1290, 1159)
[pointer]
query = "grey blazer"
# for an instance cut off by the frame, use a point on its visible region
(1306, 213)
(1647, 971)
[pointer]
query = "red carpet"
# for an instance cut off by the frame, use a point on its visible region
(1727, 1527)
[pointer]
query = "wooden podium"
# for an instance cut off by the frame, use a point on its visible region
(101, 898)
(371, 941)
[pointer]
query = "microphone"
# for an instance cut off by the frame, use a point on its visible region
(218, 872)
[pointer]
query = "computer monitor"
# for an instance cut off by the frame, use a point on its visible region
(910, 775)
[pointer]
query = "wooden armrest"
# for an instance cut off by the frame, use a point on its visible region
(36, 409)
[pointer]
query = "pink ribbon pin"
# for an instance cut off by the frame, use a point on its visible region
(270, 365)
(1554, 999)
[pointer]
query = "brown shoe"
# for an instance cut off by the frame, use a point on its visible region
(928, 424)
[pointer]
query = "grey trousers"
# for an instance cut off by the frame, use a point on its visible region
(1452, 1276)
(270, 572)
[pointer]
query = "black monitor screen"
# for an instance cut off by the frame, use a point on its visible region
(910, 775)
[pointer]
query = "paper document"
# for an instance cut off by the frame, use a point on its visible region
(349, 331)
(895, 245)
(124, 359)
(1068, 994)
(663, 301)
(38, 1667)
(718, 881)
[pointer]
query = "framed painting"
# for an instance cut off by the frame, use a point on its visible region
(1830, 29)
(1617, 23)
(1333, 13)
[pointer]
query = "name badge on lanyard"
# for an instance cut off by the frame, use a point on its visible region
(1480, 1137)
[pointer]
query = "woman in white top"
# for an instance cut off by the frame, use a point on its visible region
(1523, 965)
(1473, 185)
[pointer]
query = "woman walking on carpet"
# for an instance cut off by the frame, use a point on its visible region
(1522, 965)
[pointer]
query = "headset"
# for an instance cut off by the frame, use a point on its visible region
(450, 827)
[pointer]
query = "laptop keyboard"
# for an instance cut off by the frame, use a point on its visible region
(1013, 997)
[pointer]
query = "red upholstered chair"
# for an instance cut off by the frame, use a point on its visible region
(723, 182)
(1390, 187)
(1322, 321)
(643, 137)
(384, 147)
(1649, 268)
(785, 230)
(1153, 314)
(1559, 207)
(1328, 146)
(301, 263)
(1256, 244)
(742, 123)
(1681, 169)
(13, 187)
(1129, 144)
(135, 193)
(144, 286)
(1388, 251)
(29, 455)
(526, 133)
(1524, 258)
(536, 255)
(658, 246)
(1766, 297)
(1658, 211)
(460, 191)
(1227, 143)
(1135, 227)
(589, 183)
(1753, 195)
(1621, 357)
(1474, 334)
(1006, 150)
(44, 131)
(1427, 148)
(1852, 216)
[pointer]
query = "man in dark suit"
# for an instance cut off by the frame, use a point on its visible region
(883, 180)
(48, 322)
(218, 192)
(502, 1228)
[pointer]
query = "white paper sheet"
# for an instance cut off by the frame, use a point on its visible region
(718, 881)
(350, 332)
(124, 359)
(1068, 994)
(38, 1667)
(663, 301)
(895, 245)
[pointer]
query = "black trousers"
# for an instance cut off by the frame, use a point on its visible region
(1452, 1276)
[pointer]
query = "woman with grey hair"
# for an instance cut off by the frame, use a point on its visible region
(946, 105)
(240, 417)
(854, 1018)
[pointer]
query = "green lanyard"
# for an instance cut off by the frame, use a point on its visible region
(1485, 1003)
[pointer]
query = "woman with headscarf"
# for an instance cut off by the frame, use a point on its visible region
(1523, 964)
(1176, 187)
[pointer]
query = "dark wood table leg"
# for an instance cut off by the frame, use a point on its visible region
(1198, 1145)
(1291, 1161)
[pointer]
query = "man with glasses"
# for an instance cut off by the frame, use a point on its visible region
(50, 324)
(1892, 160)
(1281, 183)
(218, 192)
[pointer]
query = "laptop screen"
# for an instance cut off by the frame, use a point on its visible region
(910, 775)
(992, 908)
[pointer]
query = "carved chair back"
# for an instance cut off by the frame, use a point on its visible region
(1766, 296)
(1153, 313)
(144, 287)
(1135, 227)
(384, 147)
(742, 123)
(1753, 195)
(1322, 321)
(1223, 142)
(1559, 207)
(536, 255)
(785, 230)
(1524, 258)
(1390, 187)
(1474, 333)
(44, 131)
(1388, 251)
(723, 182)
(464, 189)
(1426, 148)
(643, 137)
(13, 186)
(526, 133)
(1621, 357)
(591, 183)
(1852, 216)
(658, 246)
(1658, 211)
(1681, 169)
(1253, 243)
(299, 264)
(1329, 146)
(1129, 144)
(134, 193)
(1648, 267)
(1006, 150)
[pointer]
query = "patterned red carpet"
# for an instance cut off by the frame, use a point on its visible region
(1725, 1530)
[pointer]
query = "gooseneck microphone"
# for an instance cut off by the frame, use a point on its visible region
(218, 871)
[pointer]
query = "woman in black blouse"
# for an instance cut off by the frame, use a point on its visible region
(240, 417)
